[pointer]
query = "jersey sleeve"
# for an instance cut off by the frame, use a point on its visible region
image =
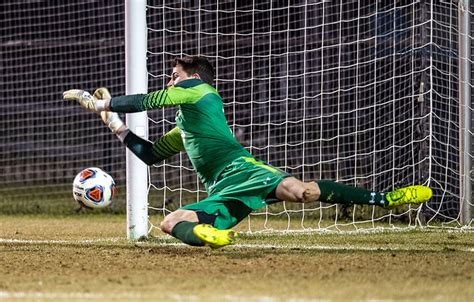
(172, 96)
(169, 144)
(187, 93)
(127, 103)
(152, 153)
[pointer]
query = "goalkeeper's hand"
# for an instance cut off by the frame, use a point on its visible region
(113, 121)
(88, 101)
(102, 93)
(110, 119)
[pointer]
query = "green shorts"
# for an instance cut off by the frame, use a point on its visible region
(242, 187)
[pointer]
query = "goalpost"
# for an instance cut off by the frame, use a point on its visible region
(465, 107)
(369, 94)
(136, 82)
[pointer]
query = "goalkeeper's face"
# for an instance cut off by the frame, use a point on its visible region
(179, 75)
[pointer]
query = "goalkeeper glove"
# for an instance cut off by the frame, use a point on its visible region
(113, 121)
(102, 93)
(86, 100)
(110, 119)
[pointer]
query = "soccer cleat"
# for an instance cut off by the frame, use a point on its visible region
(213, 237)
(410, 194)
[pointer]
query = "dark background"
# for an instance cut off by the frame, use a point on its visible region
(353, 91)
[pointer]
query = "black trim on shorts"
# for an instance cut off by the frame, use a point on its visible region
(203, 217)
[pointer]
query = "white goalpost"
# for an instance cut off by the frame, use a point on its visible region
(136, 82)
(367, 94)
(465, 108)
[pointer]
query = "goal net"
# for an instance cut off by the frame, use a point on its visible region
(45, 49)
(363, 93)
(373, 94)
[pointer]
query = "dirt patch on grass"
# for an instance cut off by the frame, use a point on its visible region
(73, 270)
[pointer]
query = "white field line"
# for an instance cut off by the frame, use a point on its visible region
(46, 241)
(235, 246)
(66, 295)
(137, 296)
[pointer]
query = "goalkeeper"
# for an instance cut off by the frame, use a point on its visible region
(236, 182)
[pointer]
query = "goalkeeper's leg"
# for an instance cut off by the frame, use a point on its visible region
(195, 228)
(180, 224)
(294, 190)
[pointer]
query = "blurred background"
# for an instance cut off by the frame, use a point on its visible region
(355, 91)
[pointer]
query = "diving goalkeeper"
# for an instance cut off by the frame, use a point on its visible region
(236, 182)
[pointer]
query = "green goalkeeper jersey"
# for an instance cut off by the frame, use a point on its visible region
(205, 135)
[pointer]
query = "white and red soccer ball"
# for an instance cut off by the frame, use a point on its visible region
(93, 188)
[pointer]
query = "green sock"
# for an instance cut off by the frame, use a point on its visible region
(184, 231)
(333, 192)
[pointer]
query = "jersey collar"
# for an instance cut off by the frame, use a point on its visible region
(189, 83)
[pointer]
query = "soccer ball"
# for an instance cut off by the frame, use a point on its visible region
(93, 188)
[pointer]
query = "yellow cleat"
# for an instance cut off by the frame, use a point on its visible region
(411, 194)
(213, 237)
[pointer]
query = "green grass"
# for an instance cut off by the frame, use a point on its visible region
(49, 200)
(77, 257)
(408, 240)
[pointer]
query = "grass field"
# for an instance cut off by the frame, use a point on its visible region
(86, 258)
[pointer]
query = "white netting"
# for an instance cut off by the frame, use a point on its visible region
(47, 48)
(349, 91)
(362, 92)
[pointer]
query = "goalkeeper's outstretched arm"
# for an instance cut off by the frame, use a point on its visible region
(150, 153)
(102, 101)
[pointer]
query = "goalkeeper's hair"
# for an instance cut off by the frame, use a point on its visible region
(195, 64)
